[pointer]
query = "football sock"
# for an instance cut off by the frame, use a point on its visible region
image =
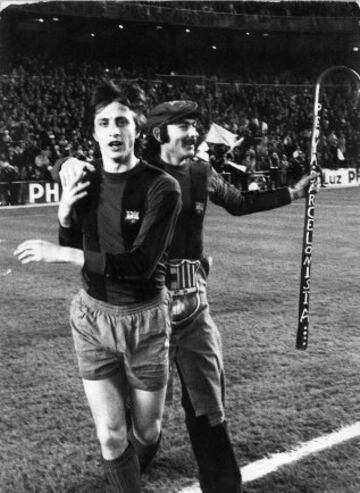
(145, 453)
(123, 473)
(218, 469)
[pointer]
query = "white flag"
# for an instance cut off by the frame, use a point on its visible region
(219, 135)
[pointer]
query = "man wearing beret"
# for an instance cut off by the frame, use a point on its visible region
(196, 342)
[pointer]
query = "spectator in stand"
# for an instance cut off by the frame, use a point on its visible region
(283, 170)
(274, 165)
(7, 139)
(297, 167)
(16, 155)
(26, 174)
(333, 145)
(8, 173)
(55, 154)
(43, 165)
(250, 161)
(217, 153)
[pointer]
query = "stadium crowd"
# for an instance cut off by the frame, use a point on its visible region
(40, 118)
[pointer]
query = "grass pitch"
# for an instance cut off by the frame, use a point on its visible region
(277, 397)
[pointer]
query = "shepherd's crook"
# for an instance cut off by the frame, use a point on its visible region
(304, 296)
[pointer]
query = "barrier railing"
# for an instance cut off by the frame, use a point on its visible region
(29, 192)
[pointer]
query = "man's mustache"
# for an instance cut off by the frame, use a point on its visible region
(188, 141)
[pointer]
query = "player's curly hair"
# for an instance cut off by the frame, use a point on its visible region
(127, 94)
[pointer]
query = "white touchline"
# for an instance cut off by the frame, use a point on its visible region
(270, 464)
(28, 206)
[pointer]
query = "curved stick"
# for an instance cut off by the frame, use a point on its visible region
(304, 296)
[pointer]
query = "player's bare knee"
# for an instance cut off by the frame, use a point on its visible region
(113, 440)
(150, 432)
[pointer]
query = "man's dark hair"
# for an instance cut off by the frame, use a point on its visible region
(153, 145)
(127, 94)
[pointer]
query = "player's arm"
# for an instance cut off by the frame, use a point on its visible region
(238, 202)
(153, 239)
(70, 236)
(48, 252)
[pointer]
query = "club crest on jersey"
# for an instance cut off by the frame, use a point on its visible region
(199, 208)
(132, 217)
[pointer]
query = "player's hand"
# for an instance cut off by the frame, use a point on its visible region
(39, 251)
(73, 188)
(71, 168)
(298, 191)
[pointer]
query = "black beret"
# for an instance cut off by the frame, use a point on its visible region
(172, 112)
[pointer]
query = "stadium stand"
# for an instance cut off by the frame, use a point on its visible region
(43, 99)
